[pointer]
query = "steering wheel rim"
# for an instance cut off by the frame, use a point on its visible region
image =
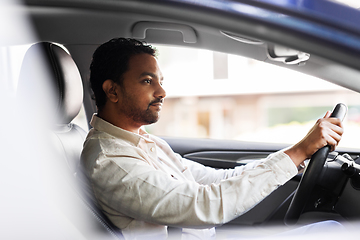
(310, 175)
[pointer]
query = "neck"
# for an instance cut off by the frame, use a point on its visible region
(119, 120)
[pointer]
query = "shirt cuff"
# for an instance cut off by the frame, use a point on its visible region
(282, 165)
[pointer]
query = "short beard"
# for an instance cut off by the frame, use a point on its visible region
(144, 117)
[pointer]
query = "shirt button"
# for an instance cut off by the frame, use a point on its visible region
(152, 149)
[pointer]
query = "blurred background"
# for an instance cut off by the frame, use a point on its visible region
(223, 96)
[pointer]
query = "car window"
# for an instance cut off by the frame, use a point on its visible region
(222, 96)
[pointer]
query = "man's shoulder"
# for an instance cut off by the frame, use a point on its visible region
(100, 146)
(105, 139)
(95, 134)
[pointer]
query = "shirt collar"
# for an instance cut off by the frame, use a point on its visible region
(104, 126)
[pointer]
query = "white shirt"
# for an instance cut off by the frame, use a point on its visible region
(142, 186)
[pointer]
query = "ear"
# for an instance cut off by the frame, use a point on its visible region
(110, 88)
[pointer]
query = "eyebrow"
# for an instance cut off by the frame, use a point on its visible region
(150, 74)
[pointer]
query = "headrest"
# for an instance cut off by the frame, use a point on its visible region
(50, 64)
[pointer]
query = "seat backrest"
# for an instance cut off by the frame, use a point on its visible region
(63, 78)
(61, 73)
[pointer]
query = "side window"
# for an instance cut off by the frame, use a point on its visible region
(223, 96)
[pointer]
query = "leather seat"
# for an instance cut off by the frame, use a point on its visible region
(59, 71)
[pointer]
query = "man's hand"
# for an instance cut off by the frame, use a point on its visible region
(326, 131)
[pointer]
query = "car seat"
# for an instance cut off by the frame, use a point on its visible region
(48, 63)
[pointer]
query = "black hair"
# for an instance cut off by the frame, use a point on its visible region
(110, 61)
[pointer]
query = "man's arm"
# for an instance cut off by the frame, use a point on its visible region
(129, 186)
(325, 131)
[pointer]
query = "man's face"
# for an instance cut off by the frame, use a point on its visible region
(141, 92)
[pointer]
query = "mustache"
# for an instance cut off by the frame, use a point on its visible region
(157, 100)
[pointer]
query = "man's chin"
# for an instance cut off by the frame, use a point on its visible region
(147, 117)
(152, 119)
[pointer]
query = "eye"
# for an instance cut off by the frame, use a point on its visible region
(147, 81)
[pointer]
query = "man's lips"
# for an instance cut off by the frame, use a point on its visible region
(159, 105)
(156, 103)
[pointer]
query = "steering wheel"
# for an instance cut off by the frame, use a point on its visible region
(310, 175)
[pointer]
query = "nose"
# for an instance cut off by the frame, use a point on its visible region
(160, 92)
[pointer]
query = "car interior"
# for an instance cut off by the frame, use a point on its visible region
(305, 39)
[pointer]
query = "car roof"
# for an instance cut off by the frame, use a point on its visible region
(327, 30)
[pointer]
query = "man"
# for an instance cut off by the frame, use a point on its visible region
(140, 184)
